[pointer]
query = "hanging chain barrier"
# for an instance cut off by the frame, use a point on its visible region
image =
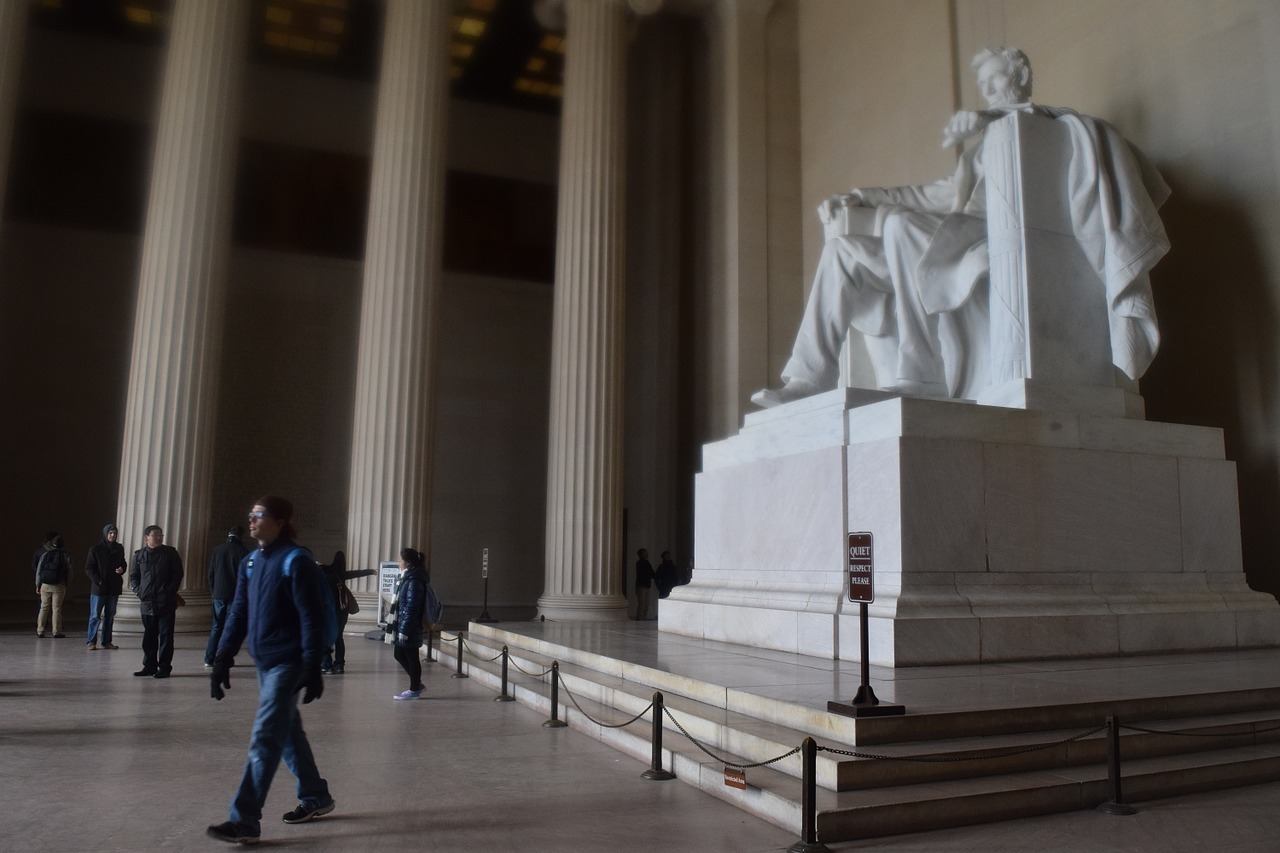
(542, 674)
(1184, 733)
(445, 639)
(574, 700)
(477, 656)
(726, 762)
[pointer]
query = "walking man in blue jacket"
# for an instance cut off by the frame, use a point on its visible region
(279, 607)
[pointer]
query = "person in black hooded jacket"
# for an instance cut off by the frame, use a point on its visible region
(105, 567)
(224, 562)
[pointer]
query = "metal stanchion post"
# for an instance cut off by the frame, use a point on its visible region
(655, 772)
(460, 673)
(431, 656)
(555, 722)
(809, 842)
(504, 697)
(1116, 805)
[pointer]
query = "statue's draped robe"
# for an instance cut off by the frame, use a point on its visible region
(1114, 194)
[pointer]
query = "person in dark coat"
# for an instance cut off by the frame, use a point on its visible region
(155, 577)
(644, 585)
(224, 562)
(411, 602)
(337, 575)
(53, 571)
(105, 567)
(280, 609)
(667, 576)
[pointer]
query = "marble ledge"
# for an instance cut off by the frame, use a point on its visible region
(856, 416)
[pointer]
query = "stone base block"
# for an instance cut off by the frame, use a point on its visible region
(999, 534)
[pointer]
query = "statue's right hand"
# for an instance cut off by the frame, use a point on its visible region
(829, 208)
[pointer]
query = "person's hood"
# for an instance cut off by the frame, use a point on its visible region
(107, 528)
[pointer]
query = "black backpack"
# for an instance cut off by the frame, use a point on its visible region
(50, 568)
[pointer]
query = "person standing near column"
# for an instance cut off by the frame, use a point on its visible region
(224, 562)
(644, 585)
(53, 570)
(411, 602)
(105, 567)
(279, 607)
(155, 578)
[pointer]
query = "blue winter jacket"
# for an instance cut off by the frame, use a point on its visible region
(281, 614)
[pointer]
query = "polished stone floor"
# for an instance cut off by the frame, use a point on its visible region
(92, 759)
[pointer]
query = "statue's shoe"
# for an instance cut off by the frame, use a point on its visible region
(791, 390)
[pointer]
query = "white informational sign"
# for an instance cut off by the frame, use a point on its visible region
(387, 574)
(484, 562)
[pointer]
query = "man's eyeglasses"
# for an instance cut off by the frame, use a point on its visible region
(257, 515)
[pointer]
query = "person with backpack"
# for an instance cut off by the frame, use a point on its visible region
(53, 570)
(284, 609)
(105, 567)
(411, 607)
(337, 575)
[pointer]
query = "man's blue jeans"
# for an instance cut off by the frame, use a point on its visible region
(102, 611)
(277, 733)
(215, 630)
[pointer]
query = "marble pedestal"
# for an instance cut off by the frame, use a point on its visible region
(1000, 534)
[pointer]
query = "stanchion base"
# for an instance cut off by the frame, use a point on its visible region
(485, 618)
(854, 709)
(1117, 809)
(459, 675)
(657, 775)
(554, 724)
(806, 847)
(504, 698)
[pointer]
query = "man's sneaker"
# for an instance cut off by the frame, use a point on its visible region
(232, 833)
(59, 636)
(408, 694)
(145, 672)
(304, 812)
(111, 646)
(161, 673)
(40, 634)
(208, 666)
(339, 668)
(91, 647)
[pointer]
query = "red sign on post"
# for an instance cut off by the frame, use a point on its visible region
(861, 585)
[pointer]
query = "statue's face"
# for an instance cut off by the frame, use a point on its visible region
(998, 86)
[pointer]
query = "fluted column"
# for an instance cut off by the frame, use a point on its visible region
(13, 35)
(584, 477)
(173, 376)
(391, 448)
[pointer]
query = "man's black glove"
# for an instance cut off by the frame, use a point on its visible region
(219, 677)
(312, 683)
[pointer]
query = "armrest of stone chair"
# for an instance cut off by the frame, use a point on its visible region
(864, 221)
(1050, 345)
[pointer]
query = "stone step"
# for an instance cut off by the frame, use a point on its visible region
(918, 808)
(774, 794)
(755, 740)
(928, 726)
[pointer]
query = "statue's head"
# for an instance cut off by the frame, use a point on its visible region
(1004, 75)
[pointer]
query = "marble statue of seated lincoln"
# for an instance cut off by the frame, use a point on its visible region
(914, 284)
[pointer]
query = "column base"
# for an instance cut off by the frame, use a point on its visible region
(583, 608)
(195, 618)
